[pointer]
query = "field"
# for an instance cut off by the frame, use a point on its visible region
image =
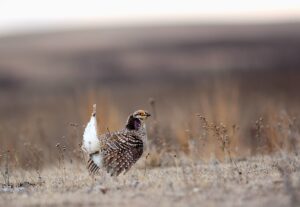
(263, 181)
(224, 129)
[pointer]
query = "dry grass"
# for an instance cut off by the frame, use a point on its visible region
(220, 123)
(215, 149)
(265, 181)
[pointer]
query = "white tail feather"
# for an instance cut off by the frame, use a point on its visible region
(91, 143)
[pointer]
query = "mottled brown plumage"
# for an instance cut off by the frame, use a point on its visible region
(120, 150)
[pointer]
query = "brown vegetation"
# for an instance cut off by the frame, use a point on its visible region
(225, 137)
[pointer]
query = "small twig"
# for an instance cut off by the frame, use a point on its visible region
(72, 124)
(153, 107)
(176, 164)
(146, 163)
(108, 131)
(61, 159)
(221, 132)
(5, 174)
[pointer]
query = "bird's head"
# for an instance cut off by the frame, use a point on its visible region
(137, 119)
(141, 115)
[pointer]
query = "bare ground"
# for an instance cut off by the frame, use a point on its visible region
(263, 181)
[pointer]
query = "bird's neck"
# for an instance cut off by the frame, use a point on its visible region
(134, 123)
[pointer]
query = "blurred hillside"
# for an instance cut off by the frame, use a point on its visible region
(152, 54)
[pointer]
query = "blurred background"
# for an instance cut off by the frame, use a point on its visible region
(235, 63)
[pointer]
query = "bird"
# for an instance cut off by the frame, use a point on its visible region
(115, 152)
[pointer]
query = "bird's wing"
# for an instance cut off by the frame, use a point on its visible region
(120, 152)
(91, 143)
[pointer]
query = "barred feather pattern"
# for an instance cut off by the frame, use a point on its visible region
(92, 167)
(119, 151)
(122, 151)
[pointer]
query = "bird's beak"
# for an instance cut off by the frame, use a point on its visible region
(147, 114)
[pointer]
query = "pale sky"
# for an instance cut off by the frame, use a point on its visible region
(26, 15)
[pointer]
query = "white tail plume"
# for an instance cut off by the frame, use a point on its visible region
(91, 143)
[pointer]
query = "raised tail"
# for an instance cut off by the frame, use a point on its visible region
(91, 144)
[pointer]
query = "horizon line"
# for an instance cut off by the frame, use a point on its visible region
(49, 28)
